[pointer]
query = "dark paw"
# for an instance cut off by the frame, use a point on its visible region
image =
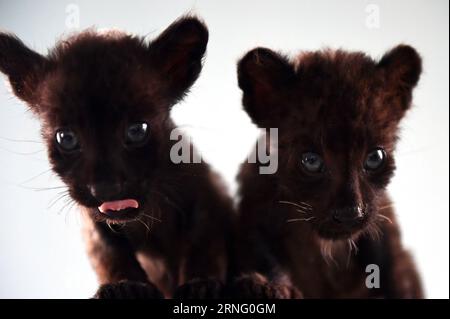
(200, 289)
(128, 290)
(256, 286)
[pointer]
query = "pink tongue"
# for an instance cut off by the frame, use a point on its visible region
(118, 205)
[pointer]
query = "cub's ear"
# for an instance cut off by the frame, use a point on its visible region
(23, 66)
(265, 78)
(402, 67)
(177, 55)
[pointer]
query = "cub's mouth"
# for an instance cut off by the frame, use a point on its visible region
(332, 230)
(119, 210)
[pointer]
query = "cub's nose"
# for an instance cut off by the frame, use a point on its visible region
(349, 215)
(104, 191)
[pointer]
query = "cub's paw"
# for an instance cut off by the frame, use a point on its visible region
(128, 290)
(257, 286)
(201, 288)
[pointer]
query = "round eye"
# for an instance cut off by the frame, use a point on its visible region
(137, 133)
(67, 140)
(312, 162)
(375, 159)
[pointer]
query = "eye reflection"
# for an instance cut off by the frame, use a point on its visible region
(375, 159)
(67, 140)
(136, 134)
(312, 162)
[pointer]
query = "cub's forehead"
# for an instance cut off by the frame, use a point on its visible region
(351, 123)
(95, 85)
(336, 74)
(98, 66)
(74, 97)
(99, 74)
(97, 45)
(94, 60)
(337, 88)
(339, 63)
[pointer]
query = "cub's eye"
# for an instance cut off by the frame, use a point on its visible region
(67, 140)
(312, 162)
(137, 133)
(375, 159)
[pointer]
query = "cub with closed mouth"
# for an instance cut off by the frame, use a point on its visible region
(311, 228)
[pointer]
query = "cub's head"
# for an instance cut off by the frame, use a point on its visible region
(337, 114)
(104, 101)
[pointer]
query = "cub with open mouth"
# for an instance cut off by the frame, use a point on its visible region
(104, 102)
(311, 228)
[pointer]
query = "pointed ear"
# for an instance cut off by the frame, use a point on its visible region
(265, 77)
(177, 55)
(23, 66)
(402, 67)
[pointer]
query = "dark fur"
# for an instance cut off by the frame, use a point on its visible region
(340, 105)
(97, 84)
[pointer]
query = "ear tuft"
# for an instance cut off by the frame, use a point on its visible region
(402, 65)
(264, 77)
(22, 65)
(177, 54)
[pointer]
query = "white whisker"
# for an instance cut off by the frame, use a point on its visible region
(326, 248)
(110, 227)
(151, 217)
(306, 204)
(355, 248)
(301, 206)
(145, 225)
(385, 218)
(385, 207)
(299, 219)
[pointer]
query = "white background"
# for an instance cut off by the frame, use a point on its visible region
(41, 250)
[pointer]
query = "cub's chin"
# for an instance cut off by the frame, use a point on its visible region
(333, 231)
(119, 217)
